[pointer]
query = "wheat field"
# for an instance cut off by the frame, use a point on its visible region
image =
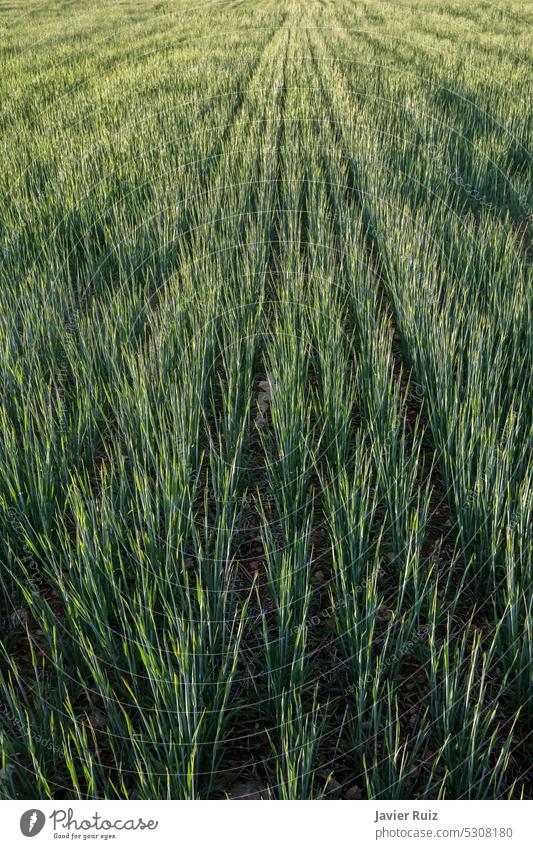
(266, 410)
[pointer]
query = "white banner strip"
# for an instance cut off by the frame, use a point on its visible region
(272, 825)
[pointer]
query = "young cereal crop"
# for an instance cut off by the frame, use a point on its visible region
(266, 495)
